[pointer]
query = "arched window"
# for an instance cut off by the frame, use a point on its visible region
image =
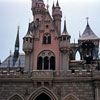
(47, 39)
(39, 63)
(46, 63)
(77, 56)
(52, 63)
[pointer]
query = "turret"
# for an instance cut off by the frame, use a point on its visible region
(38, 9)
(57, 15)
(64, 49)
(28, 48)
(16, 51)
(27, 42)
(89, 44)
(65, 40)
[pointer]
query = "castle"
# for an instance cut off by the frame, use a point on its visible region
(48, 70)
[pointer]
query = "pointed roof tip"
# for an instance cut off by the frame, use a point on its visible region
(28, 35)
(88, 34)
(28, 32)
(17, 37)
(18, 29)
(53, 5)
(57, 4)
(87, 18)
(65, 29)
(79, 34)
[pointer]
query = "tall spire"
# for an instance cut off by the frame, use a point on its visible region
(53, 5)
(16, 52)
(57, 4)
(28, 32)
(17, 38)
(65, 29)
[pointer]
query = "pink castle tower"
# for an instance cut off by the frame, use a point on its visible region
(44, 38)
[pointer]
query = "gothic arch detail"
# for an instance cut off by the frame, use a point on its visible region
(70, 97)
(79, 54)
(71, 55)
(42, 90)
(46, 60)
(16, 97)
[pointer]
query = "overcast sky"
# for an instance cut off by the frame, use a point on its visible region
(18, 12)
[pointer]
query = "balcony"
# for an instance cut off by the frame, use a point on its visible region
(42, 75)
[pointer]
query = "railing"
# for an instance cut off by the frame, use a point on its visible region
(42, 74)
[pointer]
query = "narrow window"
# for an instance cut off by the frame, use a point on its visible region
(52, 63)
(44, 39)
(26, 39)
(46, 63)
(64, 38)
(49, 39)
(39, 63)
(30, 40)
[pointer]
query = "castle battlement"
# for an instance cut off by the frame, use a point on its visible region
(46, 74)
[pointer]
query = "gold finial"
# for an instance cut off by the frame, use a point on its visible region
(47, 5)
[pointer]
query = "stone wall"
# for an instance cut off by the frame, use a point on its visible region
(60, 86)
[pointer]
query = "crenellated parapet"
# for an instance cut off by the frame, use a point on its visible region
(49, 75)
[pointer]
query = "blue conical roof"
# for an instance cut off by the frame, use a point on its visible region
(88, 34)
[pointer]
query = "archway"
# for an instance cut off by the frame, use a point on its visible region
(77, 56)
(43, 91)
(43, 96)
(16, 97)
(71, 55)
(70, 97)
